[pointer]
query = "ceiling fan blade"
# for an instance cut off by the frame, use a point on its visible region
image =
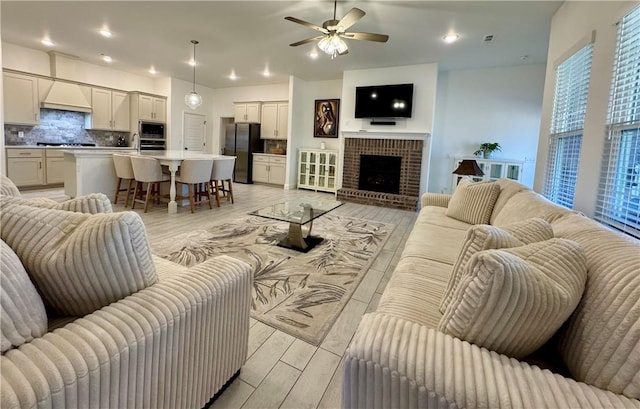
(381, 38)
(344, 52)
(308, 40)
(350, 18)
(307, 24)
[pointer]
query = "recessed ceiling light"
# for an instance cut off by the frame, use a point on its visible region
(233, 76)
(106, 58)
(451, 38)
(47, 42)
(266, 73)
(106, 33)
(313, 54)
(192, 62)
(152, 70)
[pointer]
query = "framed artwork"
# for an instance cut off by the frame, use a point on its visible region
(326, 118)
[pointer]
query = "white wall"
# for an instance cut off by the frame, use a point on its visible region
(486, 105)
(176, 108)
(38, 62)
(572, 24)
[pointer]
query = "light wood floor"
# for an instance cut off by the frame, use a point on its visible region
(282, 371)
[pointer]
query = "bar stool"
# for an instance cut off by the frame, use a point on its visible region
(124, 171)
(222, 172)
(195, 172)
(149, 171)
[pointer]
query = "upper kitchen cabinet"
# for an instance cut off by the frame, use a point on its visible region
(110, 110)
(247, 112)
(275, 118)
(145, 107)
(21, 99)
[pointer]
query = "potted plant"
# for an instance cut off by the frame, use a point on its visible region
(486, 149)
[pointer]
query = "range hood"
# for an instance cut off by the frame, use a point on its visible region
(66, 96)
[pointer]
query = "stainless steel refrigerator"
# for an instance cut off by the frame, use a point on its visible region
(242, 140)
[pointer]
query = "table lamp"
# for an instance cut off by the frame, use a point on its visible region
(468, 167)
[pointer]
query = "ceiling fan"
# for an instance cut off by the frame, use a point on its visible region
(333, 31)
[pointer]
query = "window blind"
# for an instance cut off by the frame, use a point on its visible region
(567, 123)
(618, 202)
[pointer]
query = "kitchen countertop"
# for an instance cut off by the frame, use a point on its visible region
(271, 154)
(112, 148)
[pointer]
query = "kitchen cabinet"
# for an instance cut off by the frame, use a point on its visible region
(247, 112)
(54, 166)
(145, 107)
(110, 110)
(25, 166)
(274, 120)
(269, 169)
(317, 169)
(493, 170)
(21, 104)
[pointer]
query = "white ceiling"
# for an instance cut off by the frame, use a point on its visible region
(247, 36)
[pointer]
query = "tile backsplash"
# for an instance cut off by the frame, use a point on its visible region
(271, 144)
(58, 126)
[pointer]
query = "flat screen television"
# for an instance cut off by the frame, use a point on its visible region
(384, 101)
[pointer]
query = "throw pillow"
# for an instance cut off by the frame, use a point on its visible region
(485, 237)
(22, 314)
(473, 202)
(80, 262)
(512, 301)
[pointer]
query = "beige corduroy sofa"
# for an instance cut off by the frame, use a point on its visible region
(399, 359)
(173, 342)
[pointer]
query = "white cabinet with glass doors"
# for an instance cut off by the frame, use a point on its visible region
(317, 169)
(493, 169)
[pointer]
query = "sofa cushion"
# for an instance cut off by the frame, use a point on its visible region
(80, 262)
(7, 187)
(434, 243)
(473, 202)
(485, 237)
(414, 290)
(508, 188)
(527, 204)
(22, 314)
(513, 300)
(436, 216)
(600, 344)
(91, 203)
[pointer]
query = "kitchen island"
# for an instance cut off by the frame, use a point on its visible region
(90, 171)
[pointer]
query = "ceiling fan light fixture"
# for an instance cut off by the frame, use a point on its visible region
(193, 99)
(333, 45)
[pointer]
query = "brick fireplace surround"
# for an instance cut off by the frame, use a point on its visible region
(411, 153)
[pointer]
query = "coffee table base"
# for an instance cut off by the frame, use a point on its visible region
(309, 241)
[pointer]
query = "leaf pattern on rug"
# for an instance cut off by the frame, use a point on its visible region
(299, 293)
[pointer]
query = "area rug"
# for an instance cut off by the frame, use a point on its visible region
(299, 293)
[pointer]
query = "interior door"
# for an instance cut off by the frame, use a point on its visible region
(193, 132)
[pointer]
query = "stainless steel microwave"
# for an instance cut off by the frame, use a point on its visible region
(152, 136)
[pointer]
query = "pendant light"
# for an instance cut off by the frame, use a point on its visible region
(193, 99)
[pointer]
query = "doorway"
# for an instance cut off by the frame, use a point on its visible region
(194, 126)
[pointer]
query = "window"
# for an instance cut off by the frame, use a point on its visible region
(567, 124)
(618, 203)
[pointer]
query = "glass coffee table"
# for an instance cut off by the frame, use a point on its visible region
(300, 213)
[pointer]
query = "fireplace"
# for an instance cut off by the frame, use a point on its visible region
(407, 153)
(380, 173)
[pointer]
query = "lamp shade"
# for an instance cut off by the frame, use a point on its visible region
(468, 167)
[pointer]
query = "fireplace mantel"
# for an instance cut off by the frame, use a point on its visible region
(386, 134)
